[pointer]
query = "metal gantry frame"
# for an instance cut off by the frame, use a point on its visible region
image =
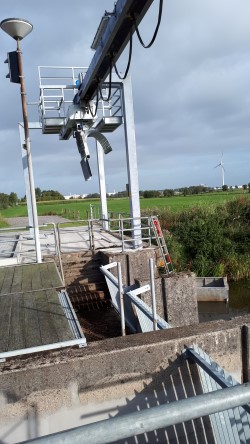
(59, 116)
(79, 113)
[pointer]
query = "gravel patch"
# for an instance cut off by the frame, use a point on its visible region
(24, 222)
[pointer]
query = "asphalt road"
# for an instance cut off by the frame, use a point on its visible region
(23, 221)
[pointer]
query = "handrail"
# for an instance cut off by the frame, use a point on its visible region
(121, 227)
(153, 418)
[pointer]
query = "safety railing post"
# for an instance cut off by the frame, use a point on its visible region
(121, 296)
(122, 233)
(91, 212)
(119, 217)
(57, 250)
(152, 287)
(90, 235)
(59, 237)
(149, 232)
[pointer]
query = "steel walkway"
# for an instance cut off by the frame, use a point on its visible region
(35, 311)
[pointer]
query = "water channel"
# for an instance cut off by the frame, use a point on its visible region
(238, 305)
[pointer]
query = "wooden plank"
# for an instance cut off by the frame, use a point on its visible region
(45, 318)
(7, 281)
(32, 328)
(17, 279)
(5, 312)
(2, 274)
(27, 277)
(17, 325)
(59, 319)
(55, 278)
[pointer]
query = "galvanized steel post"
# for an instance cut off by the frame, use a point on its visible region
(129, 127)
(121, 296)
(152, 287)
(102, 185)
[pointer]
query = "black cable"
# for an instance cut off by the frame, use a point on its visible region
(129, 59)
(96, 105)
(156, 29)
(110, 82)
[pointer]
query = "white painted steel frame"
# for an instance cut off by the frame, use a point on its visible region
(145, 313)
(148, 318)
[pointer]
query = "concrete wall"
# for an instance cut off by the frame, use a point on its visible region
(176, 295)
(62, 389)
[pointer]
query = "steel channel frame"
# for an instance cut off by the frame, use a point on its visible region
(113, 41)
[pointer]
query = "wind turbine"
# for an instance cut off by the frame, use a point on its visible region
(221, 164)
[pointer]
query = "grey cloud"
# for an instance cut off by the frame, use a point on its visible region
(191, 94)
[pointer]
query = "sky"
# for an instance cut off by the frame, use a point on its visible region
(191, 93)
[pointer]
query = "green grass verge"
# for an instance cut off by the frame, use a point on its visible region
(70, 209)
(3, 223)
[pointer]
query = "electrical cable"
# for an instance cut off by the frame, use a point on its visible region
(110, 82)
(129, 59)
(156, 29)
(96, 105)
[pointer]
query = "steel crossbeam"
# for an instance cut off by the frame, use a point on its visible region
(116, 36)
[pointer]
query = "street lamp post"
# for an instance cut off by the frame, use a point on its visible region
(18, 29)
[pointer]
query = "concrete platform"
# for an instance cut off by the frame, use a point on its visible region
(72, 239)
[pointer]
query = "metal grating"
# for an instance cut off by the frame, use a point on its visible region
(231, 426)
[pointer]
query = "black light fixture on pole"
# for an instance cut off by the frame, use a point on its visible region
(18, 29)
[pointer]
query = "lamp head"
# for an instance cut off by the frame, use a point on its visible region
(17, 28)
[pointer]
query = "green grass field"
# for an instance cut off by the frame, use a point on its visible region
(70, 209)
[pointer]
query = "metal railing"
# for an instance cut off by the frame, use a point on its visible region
(17, 244)
(121, 229)
(133, 311)
(154, 418)
(58, 86)
(81, 235)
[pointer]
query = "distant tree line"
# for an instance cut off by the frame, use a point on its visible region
(245, 187)
(8, 200)
(48, 195)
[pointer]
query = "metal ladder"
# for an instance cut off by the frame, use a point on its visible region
(162, 245)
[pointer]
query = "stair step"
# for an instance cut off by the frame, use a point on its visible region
(81, 271)
(92, 286)
(87, 300)
(86, 295)
(83, 279)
